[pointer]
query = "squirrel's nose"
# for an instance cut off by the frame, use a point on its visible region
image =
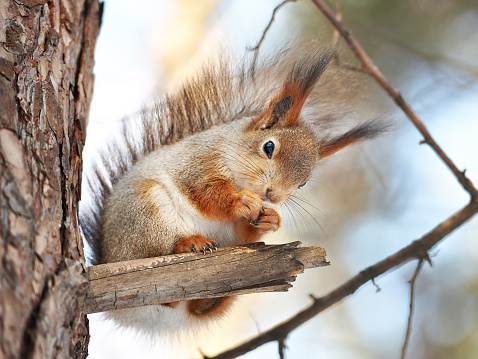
(275, 195)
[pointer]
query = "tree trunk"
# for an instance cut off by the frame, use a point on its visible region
(46, 85)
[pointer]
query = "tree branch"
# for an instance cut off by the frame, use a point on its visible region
(410, 314)
(235, 270)
(396, 96)
(256, 48)
(416, 250)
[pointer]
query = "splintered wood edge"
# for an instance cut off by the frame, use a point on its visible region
(282, 285)
(312, 257)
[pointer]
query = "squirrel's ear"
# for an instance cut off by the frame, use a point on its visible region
(276, 113)
(300, 81)
(329, 146)
(286, 106)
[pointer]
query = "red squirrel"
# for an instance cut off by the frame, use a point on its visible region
(213, 164)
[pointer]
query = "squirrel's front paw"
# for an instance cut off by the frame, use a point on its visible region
(268, 220)
(248, 204)
(195, 243)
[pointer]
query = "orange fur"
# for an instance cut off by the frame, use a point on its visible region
(194, 243)
(329, 146)
(170, 305)
(269, 220)
(328, 149)
(209, 307)
(214, 199)
(287, 105)
(219, 200)
(300, 81)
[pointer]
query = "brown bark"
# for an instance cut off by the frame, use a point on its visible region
(46, 84)
(263, 268)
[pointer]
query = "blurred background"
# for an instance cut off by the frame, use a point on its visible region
(365, 203)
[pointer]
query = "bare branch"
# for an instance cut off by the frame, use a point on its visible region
(264, 33)
(410, 314)
(263, 268)
(416, 250)
(349, 66)
(397, 97)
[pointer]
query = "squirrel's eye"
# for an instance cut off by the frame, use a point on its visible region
(302, 185)
(268, 149)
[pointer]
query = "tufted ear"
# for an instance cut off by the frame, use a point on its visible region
(329, 146)
(301, 80)
(277, 113)
(284, 109)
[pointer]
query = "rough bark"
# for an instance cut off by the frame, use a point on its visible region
(261, 268)
(46, 84)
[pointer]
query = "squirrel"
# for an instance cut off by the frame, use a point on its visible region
(213, 164)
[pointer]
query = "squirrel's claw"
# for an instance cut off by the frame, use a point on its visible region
(195, 243)
(210, 246)
(268, 220)
(254, 222)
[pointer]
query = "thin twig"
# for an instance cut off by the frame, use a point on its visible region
(397, 97)
(410, 314)
(266, 30)
(282, 348)
(378, 289)
(417, 249)
(349, 66)
(338, 15)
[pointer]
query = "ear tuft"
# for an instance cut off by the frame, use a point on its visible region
(302, 78)
(285, 107)
(278, 111)
(369, 130)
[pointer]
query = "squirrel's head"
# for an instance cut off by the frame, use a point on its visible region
(280, 149)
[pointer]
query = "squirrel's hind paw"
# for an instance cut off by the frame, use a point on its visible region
(195, 243)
